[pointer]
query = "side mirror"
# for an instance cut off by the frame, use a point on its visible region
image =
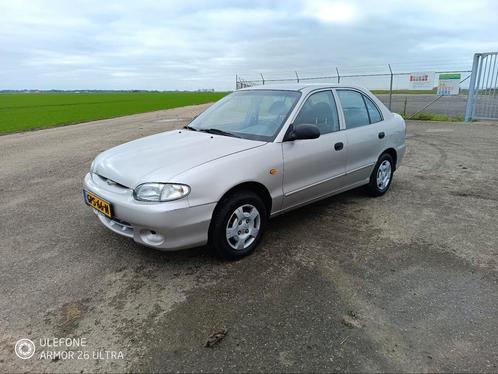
(302, 132)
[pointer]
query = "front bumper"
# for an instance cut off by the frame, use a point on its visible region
(169, 225)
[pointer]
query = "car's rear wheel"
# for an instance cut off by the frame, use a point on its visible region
(382, 175)
(238, 225)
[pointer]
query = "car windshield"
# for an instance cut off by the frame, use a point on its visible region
(253, 114)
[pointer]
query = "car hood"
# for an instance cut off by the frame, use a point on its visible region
(160, 157)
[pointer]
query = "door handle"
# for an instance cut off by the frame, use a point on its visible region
(338, 146)
(381, 135)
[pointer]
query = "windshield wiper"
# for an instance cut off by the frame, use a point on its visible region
(219, 132)
(188, 127)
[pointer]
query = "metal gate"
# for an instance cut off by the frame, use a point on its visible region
(482, 100)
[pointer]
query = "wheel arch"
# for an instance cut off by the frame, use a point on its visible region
(255, 187)
(391, 152)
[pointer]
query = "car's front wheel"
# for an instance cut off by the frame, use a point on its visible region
(382, 175)
(238, 225)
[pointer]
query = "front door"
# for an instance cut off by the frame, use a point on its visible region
(316, 167)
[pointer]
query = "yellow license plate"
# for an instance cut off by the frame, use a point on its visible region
(98, 203)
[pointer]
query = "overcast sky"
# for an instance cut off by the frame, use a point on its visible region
(152, 44)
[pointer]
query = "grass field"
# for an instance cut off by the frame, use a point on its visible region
(433, 117)
(27, 111)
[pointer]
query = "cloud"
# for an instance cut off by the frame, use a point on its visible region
(202, 44)
(330, 11)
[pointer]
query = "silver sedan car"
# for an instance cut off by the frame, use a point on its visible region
(256, 153)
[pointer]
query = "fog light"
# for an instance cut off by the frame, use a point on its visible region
(151, 237)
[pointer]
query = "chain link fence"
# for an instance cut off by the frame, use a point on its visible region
(394, 89)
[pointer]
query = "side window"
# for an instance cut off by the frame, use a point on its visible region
(353, 106)
(320, 109)
(372, 111)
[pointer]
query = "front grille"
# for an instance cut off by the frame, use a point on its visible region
(110, 182)
(120, 221)
(116, 225)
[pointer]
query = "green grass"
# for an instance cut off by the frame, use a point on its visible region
(28, 111)
(434, 117)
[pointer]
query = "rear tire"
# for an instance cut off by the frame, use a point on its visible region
(238, 224)
(382, 175)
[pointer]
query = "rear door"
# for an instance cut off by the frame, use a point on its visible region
(365, 134)
(316, 167)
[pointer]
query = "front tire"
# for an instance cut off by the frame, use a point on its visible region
(382, 175)
(238, 225)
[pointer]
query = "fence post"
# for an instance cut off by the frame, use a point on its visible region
(297, 77)
(390, 87)
(338, 76)
(470, 95)
(262, 78)
(236, 82)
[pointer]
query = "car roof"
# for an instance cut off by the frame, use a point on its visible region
(303, 87)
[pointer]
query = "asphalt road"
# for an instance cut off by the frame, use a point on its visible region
(406, 282)
(450, 105)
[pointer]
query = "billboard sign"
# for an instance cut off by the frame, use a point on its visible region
(422, 81)
(449, 84)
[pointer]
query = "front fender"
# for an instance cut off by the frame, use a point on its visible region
(210, 181)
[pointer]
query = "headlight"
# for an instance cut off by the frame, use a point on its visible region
(160, 191)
